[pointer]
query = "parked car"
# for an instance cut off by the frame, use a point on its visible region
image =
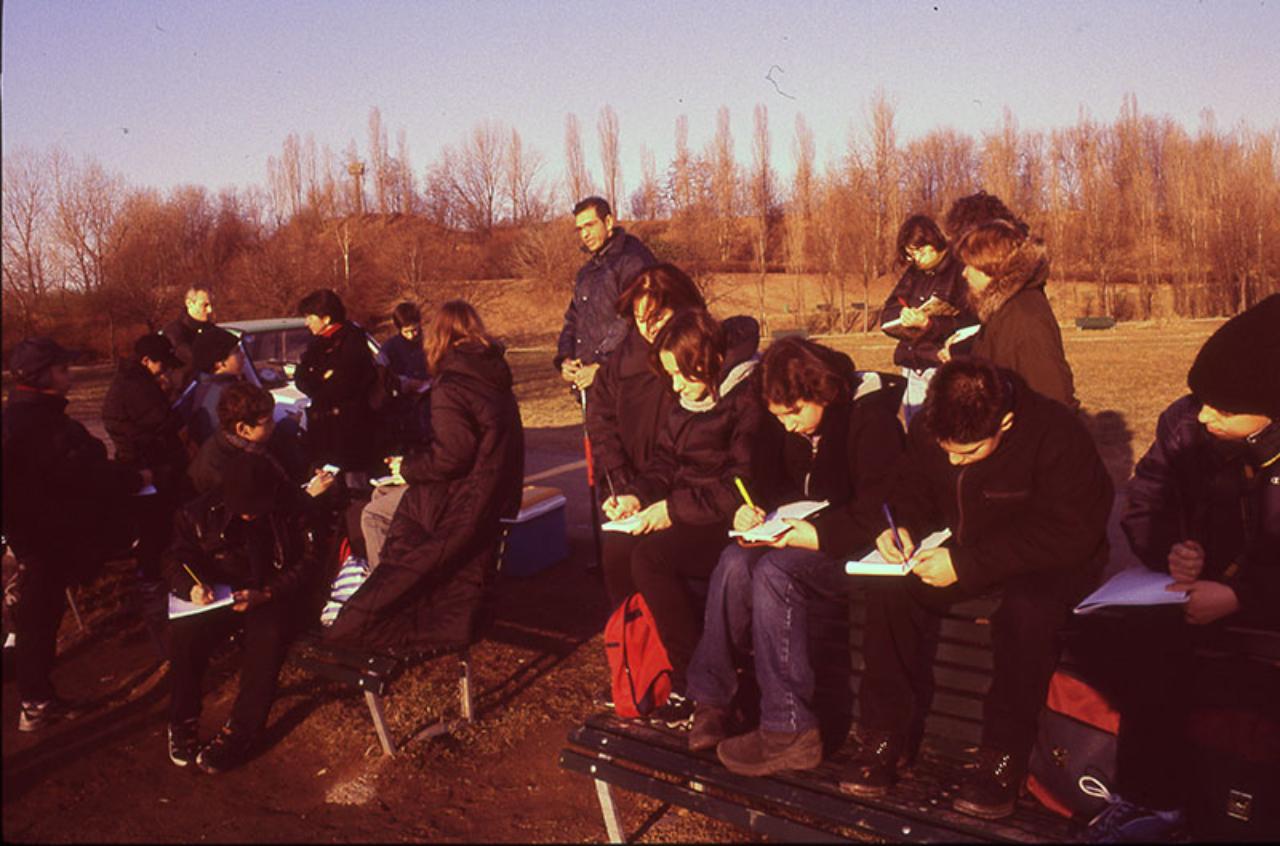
(272, 348)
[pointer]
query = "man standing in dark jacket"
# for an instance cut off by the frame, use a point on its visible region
(183, 331)
(249, 537)
(1203, 506)
(592, 325)
(62, 513)
(144, 429)
(1018, 481)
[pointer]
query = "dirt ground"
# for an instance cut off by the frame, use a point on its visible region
(319, 776)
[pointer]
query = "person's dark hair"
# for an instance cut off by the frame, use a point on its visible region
(456, 323)
(975, 209)
(917, 231)
(697, 342)
(966, 401)
(666, 286)
(242, 402)
(988, 246)
(406, 314)
(323, 302)
(600, 204)
(792, 369)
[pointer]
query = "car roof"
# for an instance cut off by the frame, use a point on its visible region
(265, 324)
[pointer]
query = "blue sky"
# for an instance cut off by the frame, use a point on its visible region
(168, 93)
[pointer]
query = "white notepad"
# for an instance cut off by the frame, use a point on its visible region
(184, 608)
(1133, 586)
(773, 527)
(874, 563)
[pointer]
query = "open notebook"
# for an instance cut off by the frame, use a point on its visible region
(874, 564)
(1133, 586)
(773, 527)
(183, 608)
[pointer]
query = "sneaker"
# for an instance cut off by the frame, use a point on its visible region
(761, 752)
(710, 726)
(604, 698)
(184, 742)
(675, 713)
(875, 765)
(991, 788)
(228, 750)
(1123, 821)
(34, 716)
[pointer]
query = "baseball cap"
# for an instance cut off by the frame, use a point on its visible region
(33, 356)
(157, 348)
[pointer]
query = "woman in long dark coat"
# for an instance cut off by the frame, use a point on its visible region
(442, 546)
(336, 372)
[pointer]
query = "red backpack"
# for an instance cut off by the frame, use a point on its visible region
(1077, 738)
(639, 668)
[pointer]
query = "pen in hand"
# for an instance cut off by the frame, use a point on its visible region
(205, 593)
(893, 531)
(742, 489)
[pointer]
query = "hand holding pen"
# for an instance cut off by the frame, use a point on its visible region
(895, 544)
(201, 594)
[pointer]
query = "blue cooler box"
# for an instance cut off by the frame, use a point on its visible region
(536, 537)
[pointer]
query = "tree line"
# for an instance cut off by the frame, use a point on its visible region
(1126, 206)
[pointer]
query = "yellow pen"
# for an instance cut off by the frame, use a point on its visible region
(742, 489)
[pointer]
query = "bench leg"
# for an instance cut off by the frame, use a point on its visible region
(464, 688)
(380, 723)
(612, 825)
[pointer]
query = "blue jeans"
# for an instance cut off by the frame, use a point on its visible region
(760, 599)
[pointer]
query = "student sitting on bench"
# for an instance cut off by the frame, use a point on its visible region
(443, 539)
(249, 535)
(1018, 481)
(831, 435)
(1204, 506)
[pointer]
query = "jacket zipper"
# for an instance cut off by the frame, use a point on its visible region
(960, 506)
(813, 458)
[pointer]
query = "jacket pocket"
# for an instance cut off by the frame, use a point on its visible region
(1006, 496)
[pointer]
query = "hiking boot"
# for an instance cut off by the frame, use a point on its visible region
(228, 750)
(34, 716)
(874, 766)
(761, 752)
(675, 713)
(710, 726)
(603, 698)
(990, 790)
(1123, 821)
(184, 742)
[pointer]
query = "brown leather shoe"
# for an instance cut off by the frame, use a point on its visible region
(762, 752)
(874, 767)
(990, 790)
(710, 726)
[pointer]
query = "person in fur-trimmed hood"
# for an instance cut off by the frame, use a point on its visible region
(1006, 270)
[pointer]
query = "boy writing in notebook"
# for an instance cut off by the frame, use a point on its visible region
(1204, 506)
(1016, 478)
(251, 535)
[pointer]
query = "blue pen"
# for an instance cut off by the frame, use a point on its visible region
(893, 528)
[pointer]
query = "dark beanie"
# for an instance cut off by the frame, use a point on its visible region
(211, 346)
(1238, 369)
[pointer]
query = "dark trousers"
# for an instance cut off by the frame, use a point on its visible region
(658, 567)
(192, 641)
(901, 640)
(42, 600)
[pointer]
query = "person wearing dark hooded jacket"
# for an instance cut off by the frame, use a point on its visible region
(441, 549)
(1017, 479)
(831, 434)
(249, 535)
(1006, 270)
(1203, 506)
(336, 372)
(629, 400)
(681, 506)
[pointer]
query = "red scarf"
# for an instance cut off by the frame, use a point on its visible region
(328, 331)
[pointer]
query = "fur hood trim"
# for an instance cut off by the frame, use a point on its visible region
(1028, 267)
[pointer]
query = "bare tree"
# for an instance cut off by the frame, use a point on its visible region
(575, 167)
(763, 197)
(26, 201)
(724, 183)
(607, 127)
(646, 201)
(477, 170)
(527, 201)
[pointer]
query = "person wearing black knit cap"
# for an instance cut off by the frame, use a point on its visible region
(1204, 506)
